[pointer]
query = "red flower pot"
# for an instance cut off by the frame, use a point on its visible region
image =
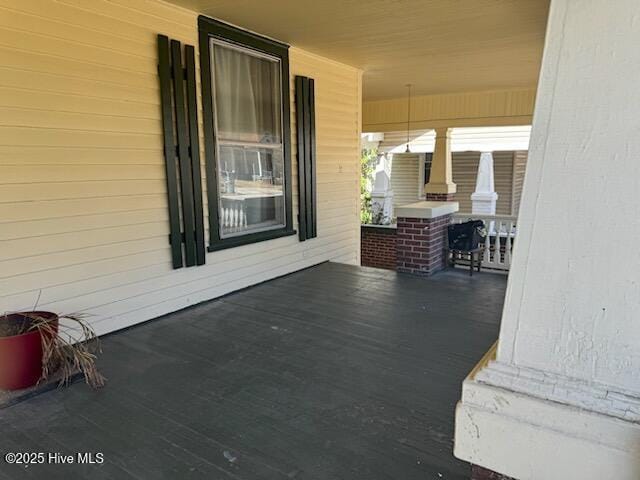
(21, 355)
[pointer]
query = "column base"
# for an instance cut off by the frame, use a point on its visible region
(528, 437)
(484, 203)
(440, 197)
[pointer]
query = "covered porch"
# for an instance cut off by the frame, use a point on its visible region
(196, 163)
(336, 371)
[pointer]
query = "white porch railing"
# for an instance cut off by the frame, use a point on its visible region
(501, 234)
(233, 215)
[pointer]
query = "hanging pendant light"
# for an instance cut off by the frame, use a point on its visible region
(408, 150)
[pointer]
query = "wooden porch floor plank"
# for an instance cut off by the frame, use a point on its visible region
(335, 372)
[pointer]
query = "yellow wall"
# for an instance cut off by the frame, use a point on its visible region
(475, 109)
(405, 181)
(83, 214)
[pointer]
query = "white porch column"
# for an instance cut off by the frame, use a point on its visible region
(381, 194)
(562, 399)
(483, 199)
(441, 186)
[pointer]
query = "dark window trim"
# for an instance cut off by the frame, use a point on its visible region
(209, 28)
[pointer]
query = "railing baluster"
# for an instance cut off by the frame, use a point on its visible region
(486, 259)
(497, 226)
(507, 250)
(498, 243)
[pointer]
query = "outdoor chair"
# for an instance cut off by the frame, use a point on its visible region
(466, 242)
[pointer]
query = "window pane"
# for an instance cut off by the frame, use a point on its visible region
(251, 189)
(247, 95)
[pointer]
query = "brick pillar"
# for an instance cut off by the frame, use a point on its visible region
(480, 473)
(440, 197)
(378, 246)
(422, 236)
(421, 244)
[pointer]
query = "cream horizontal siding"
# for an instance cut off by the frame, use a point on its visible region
(465, 170)
(519, 166)
(83, 208)
(464, 167)
(404, 178)
(503, 177)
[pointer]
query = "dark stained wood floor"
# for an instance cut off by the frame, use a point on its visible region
(335, 372)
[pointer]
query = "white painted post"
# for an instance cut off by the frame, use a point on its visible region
(561, 399)
(381, 194)
(483, 199)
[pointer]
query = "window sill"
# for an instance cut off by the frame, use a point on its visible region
(249, 239)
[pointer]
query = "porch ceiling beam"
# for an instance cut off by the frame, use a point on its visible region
(471, 109)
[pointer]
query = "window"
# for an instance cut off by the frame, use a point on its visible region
(245, 81)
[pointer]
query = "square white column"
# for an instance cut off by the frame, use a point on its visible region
(561, 400)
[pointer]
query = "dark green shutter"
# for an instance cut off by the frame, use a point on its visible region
(182, 152)
(306, 142)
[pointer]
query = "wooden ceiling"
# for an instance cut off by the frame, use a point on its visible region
(439, 46)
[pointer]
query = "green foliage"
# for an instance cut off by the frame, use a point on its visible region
(368, 161)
